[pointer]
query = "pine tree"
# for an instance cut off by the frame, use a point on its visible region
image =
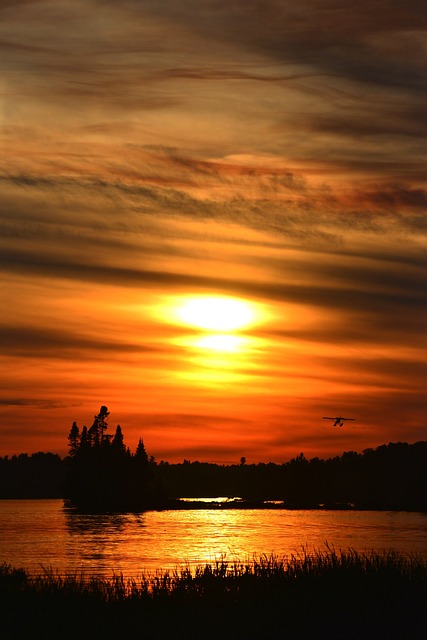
(84, 440)
(118, 441)
(96, 432)
(74, 440)
(141, 456)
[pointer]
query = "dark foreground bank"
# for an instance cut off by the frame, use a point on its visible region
(345, 595)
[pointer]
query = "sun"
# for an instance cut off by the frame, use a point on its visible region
(208, 324)
(216, 313)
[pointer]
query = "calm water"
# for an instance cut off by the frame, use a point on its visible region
(36, 534)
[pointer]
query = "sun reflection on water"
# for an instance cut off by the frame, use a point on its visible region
(36, 533)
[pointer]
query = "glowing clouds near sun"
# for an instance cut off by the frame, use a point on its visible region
(215, 336)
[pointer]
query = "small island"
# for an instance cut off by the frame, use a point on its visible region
(102, 474)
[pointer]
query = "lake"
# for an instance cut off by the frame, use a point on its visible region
(37, 534)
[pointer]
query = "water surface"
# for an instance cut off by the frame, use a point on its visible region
(41, 533)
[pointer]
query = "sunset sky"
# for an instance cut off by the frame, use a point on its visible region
(213, 221)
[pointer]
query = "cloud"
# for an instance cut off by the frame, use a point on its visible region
(339, 72)
(341, 295)
(33, 402)
(280, 202)
(30, 342)
(349, 40)
(320, 254)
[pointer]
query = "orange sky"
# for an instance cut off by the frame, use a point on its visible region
(156, 152)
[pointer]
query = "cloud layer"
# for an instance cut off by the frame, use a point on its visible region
(273, 152)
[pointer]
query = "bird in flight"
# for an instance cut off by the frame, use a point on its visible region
(338, 421)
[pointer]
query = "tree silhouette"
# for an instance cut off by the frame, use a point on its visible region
(141, 456)
(84, 440)
(74, 440)
(99, 426)
(117, 442)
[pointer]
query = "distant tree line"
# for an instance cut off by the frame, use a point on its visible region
(39, 475)
(100, 472)
(392, 476)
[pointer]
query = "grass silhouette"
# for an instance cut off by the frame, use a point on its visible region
(344, 594)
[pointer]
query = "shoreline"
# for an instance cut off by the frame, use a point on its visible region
(197, 504)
